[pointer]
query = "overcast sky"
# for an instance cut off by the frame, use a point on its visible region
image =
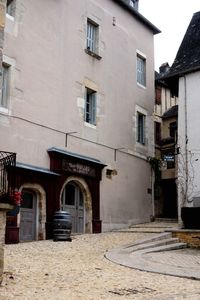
(172, 17)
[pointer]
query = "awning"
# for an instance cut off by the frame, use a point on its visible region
(77, 156)
(35, 169)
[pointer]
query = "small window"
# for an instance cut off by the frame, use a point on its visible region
(133, 3)
(172, 129)
(69, 198)
(27, 200)
(141, 70)
(92, 37)
(157, 131)
(10, 7)
(90, 106)
(5, 86)
(158, 95)
(141, 128)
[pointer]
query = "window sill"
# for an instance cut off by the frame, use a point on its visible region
(4, 110)
(10, 17)
(93, 54)
(90, 125)
(141, 86)
(141, 144)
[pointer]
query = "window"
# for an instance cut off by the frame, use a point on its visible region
(141, 70)
(10, 8)
(172, 129)
(140, 128)
(5, 86)
(92, 36)
(158, 95)
(133, 3)
(157, 131)
(90, 106)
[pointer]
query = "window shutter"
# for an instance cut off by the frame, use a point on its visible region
(5, 79)
(94, 108)
(143, 129)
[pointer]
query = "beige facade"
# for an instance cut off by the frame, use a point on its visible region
(50, 70)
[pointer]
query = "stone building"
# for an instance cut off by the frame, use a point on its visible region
(79, 90)
(165, 128)
(184, 78)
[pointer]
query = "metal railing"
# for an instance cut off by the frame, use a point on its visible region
(7, 176)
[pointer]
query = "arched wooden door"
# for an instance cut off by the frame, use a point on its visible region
(72, 201)
(27, 231)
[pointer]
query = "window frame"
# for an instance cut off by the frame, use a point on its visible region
(90, 112)
(141, 69)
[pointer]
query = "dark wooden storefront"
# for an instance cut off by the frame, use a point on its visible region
(69, 164)
(63, 165)
(33, 176)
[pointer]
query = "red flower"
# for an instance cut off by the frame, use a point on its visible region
(17, 198)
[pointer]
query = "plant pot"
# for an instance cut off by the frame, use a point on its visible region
(191, 217)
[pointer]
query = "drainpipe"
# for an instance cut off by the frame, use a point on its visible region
(186, 141)
(152, 193)
(183, 199)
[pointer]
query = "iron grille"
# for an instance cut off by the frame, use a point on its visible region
(7, 176)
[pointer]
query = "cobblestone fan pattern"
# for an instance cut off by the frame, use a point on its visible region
(182, 259)
(78, 270)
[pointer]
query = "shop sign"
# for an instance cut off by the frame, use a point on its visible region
(78, 168)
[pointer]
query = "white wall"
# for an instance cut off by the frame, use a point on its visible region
(189, 123)
(48, 83)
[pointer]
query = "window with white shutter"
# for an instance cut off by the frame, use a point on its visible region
(90, 106)
(141, 128)
(92, 36)
(5, 86)
(141, 70)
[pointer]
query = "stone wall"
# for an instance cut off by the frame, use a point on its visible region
(2, 237)
(2, 25)
(2, 207)
(191, 237)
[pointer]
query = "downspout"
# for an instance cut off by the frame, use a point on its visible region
(153, 194)
(186, 142)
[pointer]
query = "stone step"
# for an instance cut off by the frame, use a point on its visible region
(153, 244)
(166, 220)
(165, 235)
(175, 246)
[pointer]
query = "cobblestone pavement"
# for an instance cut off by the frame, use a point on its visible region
(78, 270)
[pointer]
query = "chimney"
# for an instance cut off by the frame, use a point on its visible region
(164, 68)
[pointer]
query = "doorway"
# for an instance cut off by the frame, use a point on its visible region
(28, 211)
(73, 202)
(170, 209)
